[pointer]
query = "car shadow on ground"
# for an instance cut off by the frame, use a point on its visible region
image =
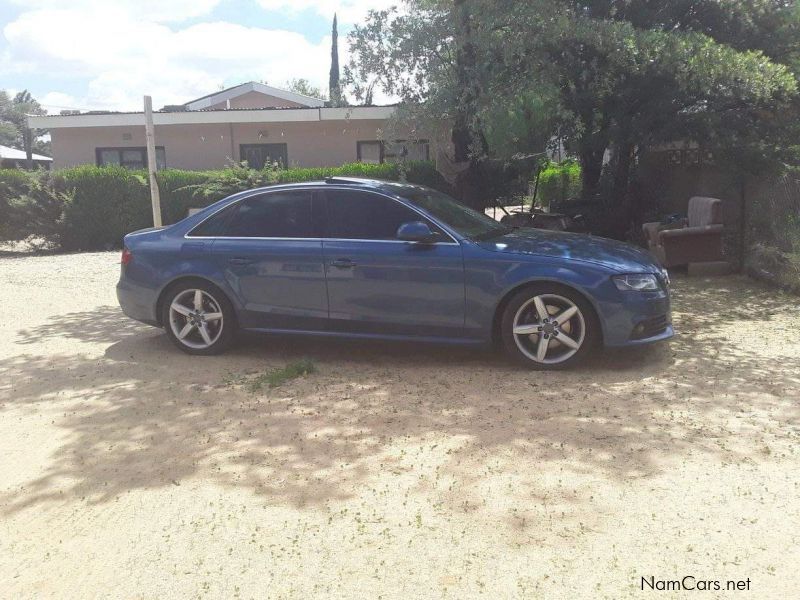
(145, 415)
(107, 324)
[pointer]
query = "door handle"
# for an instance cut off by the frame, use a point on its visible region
(343, 263)
(240, 262)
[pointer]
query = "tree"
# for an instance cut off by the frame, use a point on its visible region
(625, 75)
(638, 73)
(304, 87)
(429, 56)
(334, 86)
(8, 129)
(13, 122)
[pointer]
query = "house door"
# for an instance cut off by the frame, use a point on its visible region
(258, 155)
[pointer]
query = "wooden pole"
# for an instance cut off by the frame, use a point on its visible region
(151, 160)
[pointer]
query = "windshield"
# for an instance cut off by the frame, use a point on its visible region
(466, 221)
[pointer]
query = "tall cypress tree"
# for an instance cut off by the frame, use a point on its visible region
(334, 89)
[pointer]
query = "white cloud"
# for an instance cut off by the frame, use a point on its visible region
(123, 58)
(58, 101)
(348, 11)
(151, 10)
(119, 50)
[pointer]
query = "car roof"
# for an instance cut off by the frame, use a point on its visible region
(393, 187)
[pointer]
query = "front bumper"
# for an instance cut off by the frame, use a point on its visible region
(664, 335)
(641, 318)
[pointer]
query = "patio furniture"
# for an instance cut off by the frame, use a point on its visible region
(697, 240)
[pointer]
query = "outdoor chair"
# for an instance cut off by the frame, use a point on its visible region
(697, 239)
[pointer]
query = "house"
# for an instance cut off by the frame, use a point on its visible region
(11, 158)
(250, 122)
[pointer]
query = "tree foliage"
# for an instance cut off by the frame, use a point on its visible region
(305, 87)
(334, 85)
(605, 76)
(14, 130)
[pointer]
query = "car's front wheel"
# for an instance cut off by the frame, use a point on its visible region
(548, 326)
(198, 318)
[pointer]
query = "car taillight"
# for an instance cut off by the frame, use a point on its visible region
(127, 256)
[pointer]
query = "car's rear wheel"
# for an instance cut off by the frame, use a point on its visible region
(198, 318)
(547, 326)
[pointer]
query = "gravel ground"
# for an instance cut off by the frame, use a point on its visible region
(131, 470)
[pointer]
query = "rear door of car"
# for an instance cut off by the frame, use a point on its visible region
(271, 255)
(378, 284)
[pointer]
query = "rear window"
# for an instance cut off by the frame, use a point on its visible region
(284, 214)
(214, 226)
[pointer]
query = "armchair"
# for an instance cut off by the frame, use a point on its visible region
(699, 240)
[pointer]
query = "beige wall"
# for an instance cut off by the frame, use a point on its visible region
(256, 100)
(211, 146)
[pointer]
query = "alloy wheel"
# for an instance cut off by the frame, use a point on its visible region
(196, 319)
(549, 329)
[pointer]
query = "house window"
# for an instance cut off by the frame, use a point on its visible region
(396, 151)
(407, 150)
(130, 158)
(369, 152)
(258, 155)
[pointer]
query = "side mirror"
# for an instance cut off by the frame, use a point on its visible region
(416, 231)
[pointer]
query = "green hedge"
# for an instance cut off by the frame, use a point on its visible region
(384, 171)
(177, 192)
(91, 220)
(559, 181)
(91, 208)
(14, 184)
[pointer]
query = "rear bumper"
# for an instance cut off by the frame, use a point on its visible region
(137, 302)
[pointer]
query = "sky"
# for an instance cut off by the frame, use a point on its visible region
(107, 54)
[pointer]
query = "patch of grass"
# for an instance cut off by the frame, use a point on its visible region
(276, 377)
(231, 379)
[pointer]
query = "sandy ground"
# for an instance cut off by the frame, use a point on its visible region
(130, 470)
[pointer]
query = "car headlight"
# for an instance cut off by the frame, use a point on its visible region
(639, 282)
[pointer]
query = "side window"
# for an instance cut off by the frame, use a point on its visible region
(275, 214)
(355, 215)
(215, 225)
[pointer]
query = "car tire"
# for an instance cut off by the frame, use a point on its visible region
(559, 340)
(198, 317)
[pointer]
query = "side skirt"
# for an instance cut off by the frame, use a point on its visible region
(373, 336)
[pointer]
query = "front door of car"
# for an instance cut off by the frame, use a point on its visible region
(381, 285)
(271, 258)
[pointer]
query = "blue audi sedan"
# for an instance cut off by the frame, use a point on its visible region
(381, 260)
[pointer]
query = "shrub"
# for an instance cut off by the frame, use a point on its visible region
(238, 178)
(177, 192)
(768, 263)
(103, 204)
(423, 172)
(39, 211)
(14, 184)
(420, 172)
(221, 184)
(559, 181)
(370, 171)
(91, 208)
